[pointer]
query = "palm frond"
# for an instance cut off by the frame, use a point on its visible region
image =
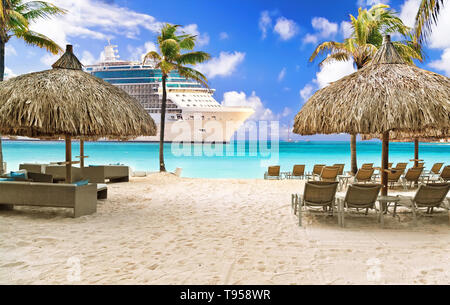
(39, 9)
(328, 46)
(187, 42)
(190, 73)
(169, 48)
(426, 17)
(339, 56)
(39, 40)
(153, 56)
(193, 58)
(166, 67)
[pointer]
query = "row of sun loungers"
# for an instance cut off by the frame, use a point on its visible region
(366, 174)
(321, 195)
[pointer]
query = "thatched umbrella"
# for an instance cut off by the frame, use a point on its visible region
(68, 102)
(386, 95)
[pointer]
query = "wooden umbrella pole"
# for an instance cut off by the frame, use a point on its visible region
(384, 163)
(416, 152)
(81, 153)
(68, 159)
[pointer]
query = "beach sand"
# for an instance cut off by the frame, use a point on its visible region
(163, 229)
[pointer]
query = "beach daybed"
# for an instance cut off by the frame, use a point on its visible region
(59, 173)
(273, 172)
(82, 198)
(359, 196)
(101, 173)
(316, 194)
(33, 167)
(430, 196)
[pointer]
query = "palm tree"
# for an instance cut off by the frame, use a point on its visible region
(169, 59)
(368, 30)
(15, 18)
(427, 16)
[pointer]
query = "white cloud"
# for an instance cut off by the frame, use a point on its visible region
(10, 51)
(282, 74)
(333, 71)
(224, 65)
(223, 36)
(310, 38)
(8, 73)
(408, 12)
(324, 29)
(202, 39)
(286, 112)
(138, 53)
(99, 20)
(286, 28)
(49, 59)
(234, 98)
(307, 92)
(442, 64)
(265, 22)
(366, 3)
(328, 73)
(346, 29)
(262, 113)
(87, 58)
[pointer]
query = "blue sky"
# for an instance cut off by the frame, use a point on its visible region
(260, 48)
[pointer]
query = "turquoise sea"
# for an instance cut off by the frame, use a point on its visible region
(234, 160)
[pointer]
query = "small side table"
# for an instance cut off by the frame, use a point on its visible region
(384, 201)
(343, 180)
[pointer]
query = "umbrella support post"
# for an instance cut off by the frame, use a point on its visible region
(81, 153)
(68, 159)
(384, 163)
(416, 152)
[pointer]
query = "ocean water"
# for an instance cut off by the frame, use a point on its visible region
(234, 160)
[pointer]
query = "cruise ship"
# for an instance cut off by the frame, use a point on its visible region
(192, 113)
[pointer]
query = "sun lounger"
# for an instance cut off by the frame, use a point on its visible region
(364, 175)
(401, 166)
(317, 194)
(341, 168)
(101, 173)
(428, 196)
(367, 165)
(444, 176)
(394, 176)
(317, 170)
(329, 173)
(436, 169)
(83, 199)
(298, 172)
(273, 172)
(412, 176)
(358, 196)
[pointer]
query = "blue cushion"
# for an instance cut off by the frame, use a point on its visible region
(18, 175)
(118, 163)
(81, 182)
(94, 165)
(7, 179)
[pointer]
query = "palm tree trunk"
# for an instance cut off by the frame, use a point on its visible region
(2, 71)
(354, 164)
(162, 167)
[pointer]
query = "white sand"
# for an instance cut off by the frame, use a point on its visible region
(168, 230)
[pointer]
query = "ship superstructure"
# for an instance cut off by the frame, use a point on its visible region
(192, 113)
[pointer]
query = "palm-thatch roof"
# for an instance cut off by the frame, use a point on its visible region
(386, 95)
(66, 101)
